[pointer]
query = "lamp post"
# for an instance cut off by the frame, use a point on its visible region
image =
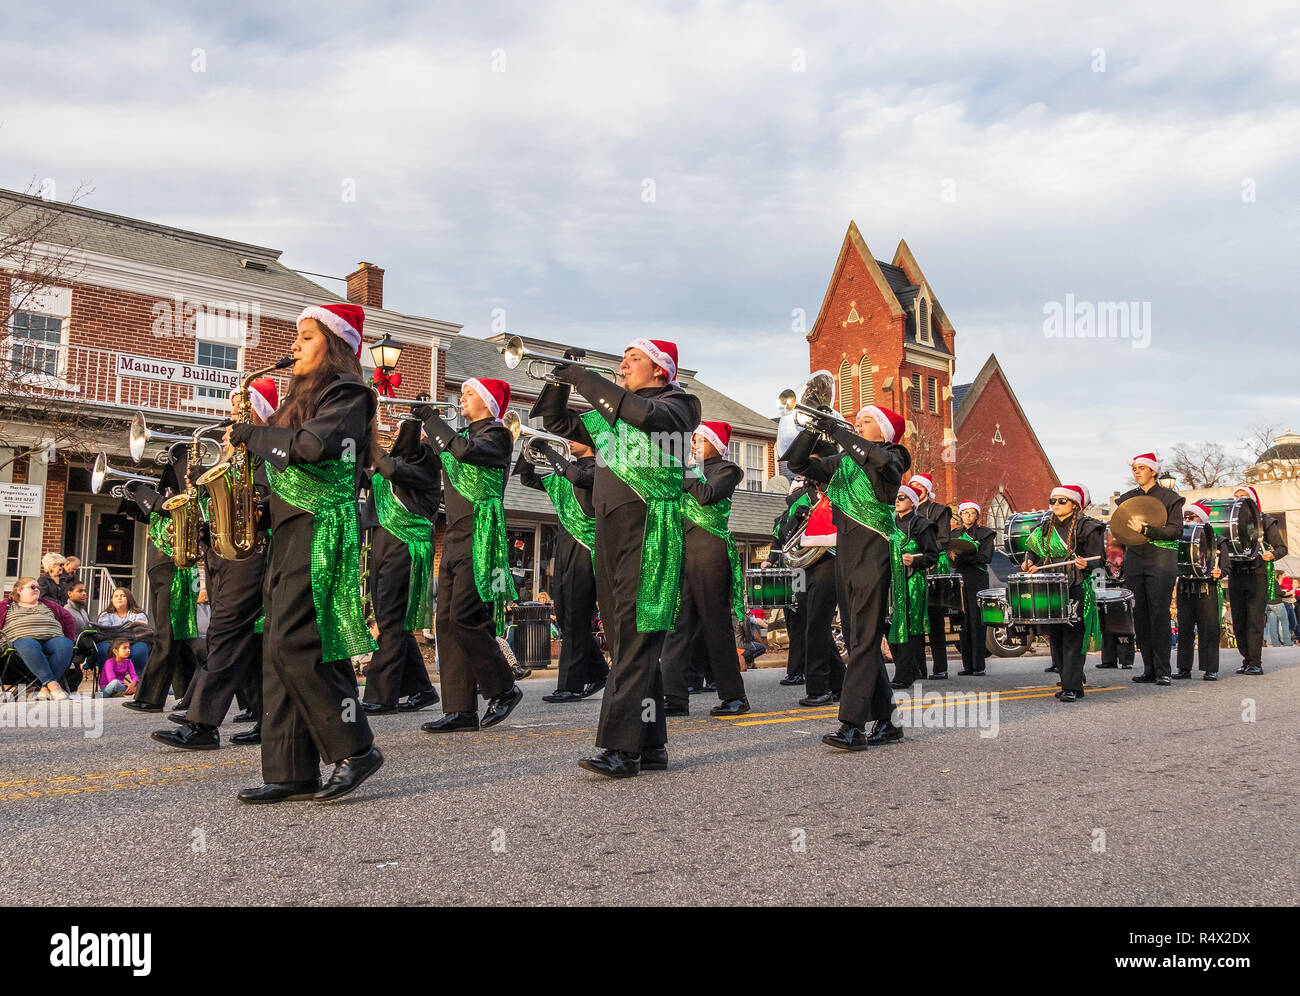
(386, 352)
(1166, 480)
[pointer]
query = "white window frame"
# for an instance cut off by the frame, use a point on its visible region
(46, 302)
(215, 329)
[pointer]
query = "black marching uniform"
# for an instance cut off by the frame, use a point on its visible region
(813, 652)
(1200, 619)
(620, 536)
(1066, 639)
(1248, 596)
(941, 516)
(706, 618)
(582, 667)
(909, 657)
(1116, 652)
(397, 668)
(1150, 573)
(973, 566)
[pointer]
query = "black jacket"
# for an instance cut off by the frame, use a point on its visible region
(941, 516)
(581, 473)
(1089, 541)
(917, 527)
(414, 472)
(719, 481)
(486, 444)
(785, 525)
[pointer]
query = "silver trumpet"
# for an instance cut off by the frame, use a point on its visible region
(814, 400)
(534, 438)
(142, 435)
(103, 474)
(446, 409)
(515, 353)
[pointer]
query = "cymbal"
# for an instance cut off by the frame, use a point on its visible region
(958, 545)
(1145, 507)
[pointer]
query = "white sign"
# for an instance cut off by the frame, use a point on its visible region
(171, 372)
(21, 499)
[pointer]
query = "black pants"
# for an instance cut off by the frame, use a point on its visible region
(938, 642)
(310, 711)
(470, 662)
(1198, 623)
(863, 576)
(1067, 653)
(1116, 651)
(822, 663)
(1248, 596)
(171, 662)
(706, 619)
(397, 667)
(581, 661)
(1150, 573)
(234, 656)
(909, 659)
(796, 628)
(632, 708)
(974, 634)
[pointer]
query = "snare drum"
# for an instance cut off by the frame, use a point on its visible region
(993, 606)
(772, 588)
(1015, 534)
(944, 591)
(1238, 521)
(1115, 611)
(1038, 599)
(1195, 551)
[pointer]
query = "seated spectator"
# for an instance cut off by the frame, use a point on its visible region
(79, 605)
(71, 568)
(51, 578)
(124, 612)
(119, 676)
(753, 643)
(42, 632)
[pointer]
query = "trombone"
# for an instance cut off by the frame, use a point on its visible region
(141, 435)
(515, 353)
(535, 438)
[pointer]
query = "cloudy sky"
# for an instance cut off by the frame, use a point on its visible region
(688, 170)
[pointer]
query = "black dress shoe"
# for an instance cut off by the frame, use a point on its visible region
(979, 674)
(191, 736)
(900, 684)
(1068, 696)
(817, 700)
(418, 700)
(452, 722)
(731, 707)
(349, 774)
(377, 709)
(177, 717)
(965, 671)
(279, 792)
(1253, 669)
(247, 716)
(563, 695)
(592, 687)
(1181, 675)
(246, 737)
(793, 679)
(1243, 669)
(1163, 680)
(1127, 667)
(501, 706)
(520, 672)
(1103, 666)
(1210, 676)
(673, 709)
(694, 689)
(710, 686)
(614, 764)
(939, 676)
(1143, 679)
(654, 758)
(1053, 669)
(135, 706)
(884, 732)
(847, 737)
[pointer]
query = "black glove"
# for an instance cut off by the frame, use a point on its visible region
(571, 373)
(407, 444)
(146, 496)
(574, 353)
(240, 433)
(421, 412)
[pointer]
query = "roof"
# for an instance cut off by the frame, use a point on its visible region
(970, 394)
(958, 393)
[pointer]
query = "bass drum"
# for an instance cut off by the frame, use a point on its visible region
(1236, 520)
(1115, 611)
(1196, 551)
(1015, 534)
(945, 591)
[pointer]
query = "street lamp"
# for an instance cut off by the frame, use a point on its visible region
(1166, 480)
(386, 352)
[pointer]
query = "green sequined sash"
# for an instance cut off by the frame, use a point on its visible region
(328, 491)
(576, 522)
(413, 530)
(916, 616)
(1164, 544)
(184, 584)
(1047, 543)
(657, 477)
(714, 519)
(483, 488)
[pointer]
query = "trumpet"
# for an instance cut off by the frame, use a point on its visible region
(515, 353)
(103, 474)
(534, 437)
(448, 410)
(141, 435)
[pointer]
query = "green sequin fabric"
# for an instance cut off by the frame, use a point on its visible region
(184, 587)
(576, 522)
(1047, 543)
(417, 533)
(714, 519)
(656, 476)
(917, 619)
(483, 487)
(328, 491)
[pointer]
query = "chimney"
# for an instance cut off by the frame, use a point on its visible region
(366, 286)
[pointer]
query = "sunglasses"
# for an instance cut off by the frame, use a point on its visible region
(1058, 501)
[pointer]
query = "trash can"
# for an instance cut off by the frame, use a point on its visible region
(532, 634)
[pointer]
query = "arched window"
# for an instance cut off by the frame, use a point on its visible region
(845, 388)
(999, 512)
(923, 333)
(866, 387)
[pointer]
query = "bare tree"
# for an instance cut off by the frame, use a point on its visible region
(1204, 465)
(1257, 439)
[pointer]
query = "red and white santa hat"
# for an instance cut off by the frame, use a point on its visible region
(1146, 460)
(662, 352)
(1075, 492)
(891, 423)
(344, 320)
(970, 506)
(495, 393)
(821, 526)
(264, 396)
(1250, 491)
(906, 491)
(925, 480)
(1200, 511)
(718, 433)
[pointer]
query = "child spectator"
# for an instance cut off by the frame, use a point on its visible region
(119, 675)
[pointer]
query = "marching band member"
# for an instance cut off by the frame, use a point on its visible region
(973, 566)
(638, 495)
(941, 515)
(1252, 581)
(1200, 611)
(861, 481)
(1151, 569)
(1080, 539)
(405, 489)
(713, 593)
(920, 552)
(799, 501)
(1115, 653)
(234, 638)
(474, 581)
(582, 667)
(315, 446)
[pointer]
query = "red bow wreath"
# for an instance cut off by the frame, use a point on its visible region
(387, 383)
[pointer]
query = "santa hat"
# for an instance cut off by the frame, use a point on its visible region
(264, 396)
(1200, 511)
(891, 423)
(1072, 491)
(925, 480)
(495, 393)
(662, 352)
(904, 491)
(344, 320)
(1250, 491)
(971, 506)
(1087, 496)
(821, 527)
(718, 433)
(1147, 460)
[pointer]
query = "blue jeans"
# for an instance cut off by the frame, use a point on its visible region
(139, 653)
(47, 659)
(113, 688)
(1276, 631)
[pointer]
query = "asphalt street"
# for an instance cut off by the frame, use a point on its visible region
(1136, 795)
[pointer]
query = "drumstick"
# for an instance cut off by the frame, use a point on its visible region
(1063, 563)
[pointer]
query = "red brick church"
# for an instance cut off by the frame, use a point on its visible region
(884, 335)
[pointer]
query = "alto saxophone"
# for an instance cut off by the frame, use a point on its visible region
(184, 513)
(232, 503)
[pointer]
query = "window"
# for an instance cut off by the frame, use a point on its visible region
(755, 466)
(14, 547)
(916, 392)
(923, 333)
(37, 346)
(845, 387)
(999, 512)
(932, 394)
(866, 386)
(211, 354)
